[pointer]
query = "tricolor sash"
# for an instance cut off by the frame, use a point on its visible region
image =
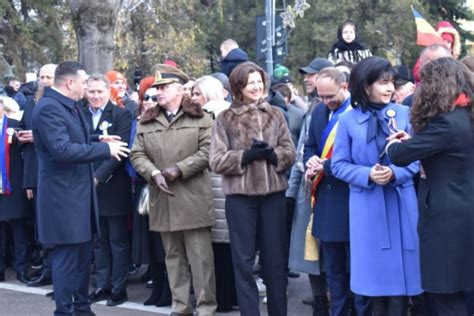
(5, 159)
(327, 144)
(311, 252)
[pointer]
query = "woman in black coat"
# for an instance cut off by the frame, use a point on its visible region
(444, 143)
(13, 203)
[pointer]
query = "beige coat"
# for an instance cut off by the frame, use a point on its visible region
(185, 143)
(233, 132)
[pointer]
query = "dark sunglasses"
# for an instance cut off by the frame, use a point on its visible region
(147, 97)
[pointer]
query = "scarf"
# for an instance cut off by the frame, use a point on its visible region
(378, 127)
(5, 187)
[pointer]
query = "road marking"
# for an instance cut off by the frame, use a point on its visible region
(126, 305)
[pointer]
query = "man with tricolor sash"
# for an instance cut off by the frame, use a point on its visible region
(330, 196)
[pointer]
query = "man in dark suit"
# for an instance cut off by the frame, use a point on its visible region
(67, 203)
(331, 208)
(113, 193)
(30, 166)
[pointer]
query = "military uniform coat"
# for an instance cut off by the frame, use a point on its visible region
(184, 142)
(15, 205)
(66, 201)
(114, 191)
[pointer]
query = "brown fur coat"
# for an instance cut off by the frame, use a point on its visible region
(233, 132)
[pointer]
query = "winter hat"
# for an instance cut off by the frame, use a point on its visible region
(447, 32)
(280, 71)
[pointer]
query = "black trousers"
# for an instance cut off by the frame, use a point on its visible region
(71, 272)
(20, 244)
(390, 305)
(111, 252)
(448, 304)
(263, 218)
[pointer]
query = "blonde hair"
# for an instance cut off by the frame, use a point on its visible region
(211, 88)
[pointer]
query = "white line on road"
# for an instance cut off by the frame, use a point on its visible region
(126, 305)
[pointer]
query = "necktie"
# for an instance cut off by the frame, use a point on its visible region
(170, 117)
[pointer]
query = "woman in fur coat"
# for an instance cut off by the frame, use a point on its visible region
(252, 148)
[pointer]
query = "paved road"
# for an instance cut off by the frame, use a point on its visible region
(18, 300)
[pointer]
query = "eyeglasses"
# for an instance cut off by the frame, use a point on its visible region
(329, 97)
(147, 97)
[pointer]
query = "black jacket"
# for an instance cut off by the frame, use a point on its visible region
(15, 205)
(233, 58)
(30, 158)
(114, 190)
(445, 148)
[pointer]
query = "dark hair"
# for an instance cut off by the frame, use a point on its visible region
(66, 69)
(343, 25)
(364, 74)
(239, 77)
(442, 81)
(283, 89)
(345, 63)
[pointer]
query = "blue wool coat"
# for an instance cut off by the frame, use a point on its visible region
(67, 202)
(382, 219)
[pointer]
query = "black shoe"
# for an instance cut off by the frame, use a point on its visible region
(99, 295)
(320, 306)
(78, 313)
(117, 298)
(23, 277)
(293, 274)
(146, 276)
(41, 281)
(50, 294)
(2, 276)
(156, 293)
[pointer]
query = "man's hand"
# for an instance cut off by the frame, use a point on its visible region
(381, 174)
(171, 174)
(160, 182)
(25, 136)
(118, 149)
(29, 194)
(109, 138)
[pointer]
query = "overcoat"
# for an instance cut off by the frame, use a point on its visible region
(114, 191)
(30, 158)
(446, 227)
(15, 205)
(298, 190)
(66, 201)
(184, 142)
(382, 219)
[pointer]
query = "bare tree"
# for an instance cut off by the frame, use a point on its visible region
(94, 22)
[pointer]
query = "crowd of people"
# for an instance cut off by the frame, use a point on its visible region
(225, 186)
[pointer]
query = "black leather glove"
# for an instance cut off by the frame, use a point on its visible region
(272, 158)
(255, 153)
(259, 143)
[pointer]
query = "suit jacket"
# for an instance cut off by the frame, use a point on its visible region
(30, 166)
(446, 227)
(66, 199)
(114, 189)
(331, 211)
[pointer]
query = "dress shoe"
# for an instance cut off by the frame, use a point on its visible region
(78, 313)
(41, 281)
(293, 274)
(99, 295)
(117, 298)
(23, 277)
(179, 314)
(320, 306)
(50, 294)
(2, 276)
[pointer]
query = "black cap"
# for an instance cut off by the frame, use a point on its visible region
(316, 65)
(404, 75)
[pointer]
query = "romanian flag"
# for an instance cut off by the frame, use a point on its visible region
(426, 35)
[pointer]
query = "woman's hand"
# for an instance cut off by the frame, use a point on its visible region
(400, 135)
(381, 174)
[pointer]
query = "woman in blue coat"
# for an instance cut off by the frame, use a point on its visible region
(383, 211)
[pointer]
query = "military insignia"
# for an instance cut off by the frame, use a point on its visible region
(158, 76)
(10, 133)
(104, 126)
